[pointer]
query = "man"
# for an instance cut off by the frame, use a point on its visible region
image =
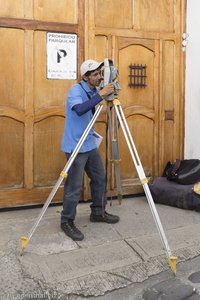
(80, 106)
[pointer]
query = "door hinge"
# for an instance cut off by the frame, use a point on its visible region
(185, 37)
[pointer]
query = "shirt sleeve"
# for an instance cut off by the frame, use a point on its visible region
(74, 97)
(84, 107)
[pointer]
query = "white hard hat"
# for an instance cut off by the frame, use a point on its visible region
(89, 65)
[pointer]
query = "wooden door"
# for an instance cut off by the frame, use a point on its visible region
(32, 107)
(145, 34)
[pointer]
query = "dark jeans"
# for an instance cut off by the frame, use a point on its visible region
(91, 163)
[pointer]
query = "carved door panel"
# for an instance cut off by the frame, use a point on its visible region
(138, 77)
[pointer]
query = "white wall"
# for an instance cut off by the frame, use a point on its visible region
(192, 92)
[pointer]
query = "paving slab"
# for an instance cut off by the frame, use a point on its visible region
(178, 238)
(81, 262)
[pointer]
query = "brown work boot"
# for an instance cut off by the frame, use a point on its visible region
(72, 231)
(105, 217)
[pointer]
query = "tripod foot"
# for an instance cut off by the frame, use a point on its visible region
(172, 262)
(24, 242)
(119, 197)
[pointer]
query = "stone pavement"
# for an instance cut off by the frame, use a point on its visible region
(111, 256)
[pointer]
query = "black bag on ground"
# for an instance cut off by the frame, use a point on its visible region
(186, 171)
(174, 194)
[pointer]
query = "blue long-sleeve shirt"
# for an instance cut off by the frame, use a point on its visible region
(78, 115)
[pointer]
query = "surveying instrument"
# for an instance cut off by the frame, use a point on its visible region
(110, 76)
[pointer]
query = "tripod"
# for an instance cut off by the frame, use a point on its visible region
(119, 116)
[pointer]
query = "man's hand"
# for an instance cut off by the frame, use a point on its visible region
(107, 90)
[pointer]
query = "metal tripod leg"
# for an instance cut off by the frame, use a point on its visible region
(114, 140)
(63, 174)
(128, 137)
